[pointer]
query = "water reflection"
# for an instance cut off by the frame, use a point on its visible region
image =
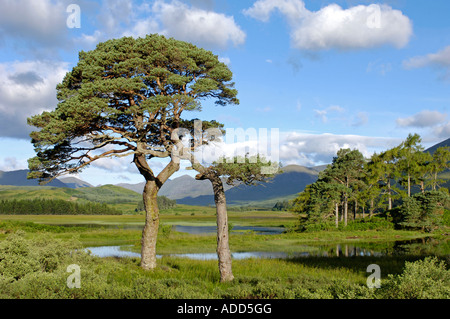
(414, 247)
(117, 251)
(208, 230)
(193, 230)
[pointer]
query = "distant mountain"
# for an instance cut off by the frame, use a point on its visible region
(73, 182)
(433, 148)
(292, 180)
(138, 188)
(19, 178)
(180, 187)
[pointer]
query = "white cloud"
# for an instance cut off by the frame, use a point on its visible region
(292, 9)
(27, 88)
(115, 14)
(333, 27)
(198, 24)
(439, 60)
(202, 27)
(12, 164)
(443, 131)
(423, 119)
(39, 26)
(116, 165)
(317, 149)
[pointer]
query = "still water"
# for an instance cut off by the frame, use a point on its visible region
(193, 230)
(428, 246)
(424, 246)
(117, 251)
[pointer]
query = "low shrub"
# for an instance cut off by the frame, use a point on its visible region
(373, 223)
(423, 279)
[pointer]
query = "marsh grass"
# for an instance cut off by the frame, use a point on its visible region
(175, 277)
(36, 268)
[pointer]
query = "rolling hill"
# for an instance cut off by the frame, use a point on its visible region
(433, 148)
(179, 187)
(285, 185)
(73, 182)
(109, 194)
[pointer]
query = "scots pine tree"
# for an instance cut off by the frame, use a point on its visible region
(125, 98)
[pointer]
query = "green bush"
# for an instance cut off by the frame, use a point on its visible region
(424, 211)
(423, 279)
(373, 223)
(446, 218)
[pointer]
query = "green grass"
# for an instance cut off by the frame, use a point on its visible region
(186, 243)
(312, 277)
(36, 268)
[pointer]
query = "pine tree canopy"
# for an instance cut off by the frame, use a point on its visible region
(125, 97)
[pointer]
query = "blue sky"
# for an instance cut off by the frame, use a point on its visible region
(323, 74)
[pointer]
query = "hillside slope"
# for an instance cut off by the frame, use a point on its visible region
(19, 178)
(291, 181)
(433, 148)
(179, 187)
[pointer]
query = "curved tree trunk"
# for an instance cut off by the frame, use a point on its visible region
(223, 248)
(150, 231)
(150, 197)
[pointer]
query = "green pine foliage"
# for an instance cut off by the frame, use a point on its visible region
(424, 210)
(401, 184)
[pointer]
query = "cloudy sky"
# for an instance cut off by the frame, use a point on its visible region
(318, 75)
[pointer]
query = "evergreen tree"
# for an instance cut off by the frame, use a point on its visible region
(347, 169)
(411, 161)
(424, 210)
(439, 162)
(126, 98)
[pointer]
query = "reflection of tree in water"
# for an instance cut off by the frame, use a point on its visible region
(346, 250)
(423, 246)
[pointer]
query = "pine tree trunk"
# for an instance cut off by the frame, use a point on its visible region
(150, 196)
(345, 210)
(223, 249)
(389, 195)
(337, 214)
(150, 232)
(371, 208)
(409, 185)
